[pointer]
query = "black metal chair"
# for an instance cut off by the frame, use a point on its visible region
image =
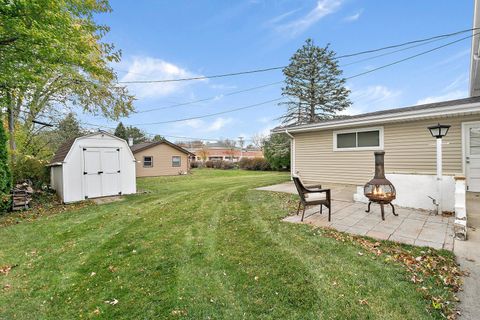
(304, 193)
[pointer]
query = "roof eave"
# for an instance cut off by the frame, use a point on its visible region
(384, 118)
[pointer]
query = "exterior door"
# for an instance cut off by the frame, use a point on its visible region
(101, 172)
(111, 172)
(92, 166)
(472, 156)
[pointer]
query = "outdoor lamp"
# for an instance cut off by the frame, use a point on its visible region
(439, 131)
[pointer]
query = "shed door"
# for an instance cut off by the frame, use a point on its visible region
(101, 172)
(92, 158)
(472, 159)
(111, 172)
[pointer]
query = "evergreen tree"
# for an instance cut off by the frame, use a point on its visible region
(5, 176)
(276, 150)
(313, 85)
(120, 131)
(68, 128)
(157, 137)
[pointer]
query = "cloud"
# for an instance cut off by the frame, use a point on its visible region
(149, 68)
(372, 98)
(452, 95)
(456, 89)
(322, 9)
(200, 126)
(218, 124)
(353, 17)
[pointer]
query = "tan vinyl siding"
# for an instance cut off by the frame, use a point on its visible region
(409, 148)
(162, 161)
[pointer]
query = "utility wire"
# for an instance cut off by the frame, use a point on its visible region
(281, 67)
(210, 114)
(211, 98)
(411, 57)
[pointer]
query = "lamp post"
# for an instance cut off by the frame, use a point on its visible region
(439, 131)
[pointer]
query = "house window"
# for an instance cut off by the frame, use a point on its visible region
(147, 161)
(176, 161)
(358, 139)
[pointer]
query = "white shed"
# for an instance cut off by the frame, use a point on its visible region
(96, 165)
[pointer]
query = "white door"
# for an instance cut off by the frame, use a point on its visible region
(101, 172)
(472, 156)
(92, 166)
(111, 172)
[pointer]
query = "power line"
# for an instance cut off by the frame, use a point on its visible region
(411, 57)
(210, 114)
(278, 82)
(281, 67)
(211, 98)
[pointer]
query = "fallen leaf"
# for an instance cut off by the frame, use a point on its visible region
(112, 302)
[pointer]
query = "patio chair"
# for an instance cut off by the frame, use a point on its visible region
(312, 196)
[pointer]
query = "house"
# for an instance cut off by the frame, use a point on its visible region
(341, 150)
(95, 165)
(160, 158)
(219, 151)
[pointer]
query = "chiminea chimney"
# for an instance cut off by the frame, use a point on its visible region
(130, 141)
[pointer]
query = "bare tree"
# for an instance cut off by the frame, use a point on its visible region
(258, 140)
(230, 145)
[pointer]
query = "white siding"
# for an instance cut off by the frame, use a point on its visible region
(73, 166)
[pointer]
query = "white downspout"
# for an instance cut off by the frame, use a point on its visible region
(292, 153)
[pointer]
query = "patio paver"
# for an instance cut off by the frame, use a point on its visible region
(414, 227)
(411, 226)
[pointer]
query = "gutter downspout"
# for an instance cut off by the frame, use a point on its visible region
(292, 152)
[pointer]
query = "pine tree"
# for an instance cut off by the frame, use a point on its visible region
(5, 175)
(314, 86)
(120, 131)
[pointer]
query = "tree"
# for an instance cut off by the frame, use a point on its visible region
(202, 154)
(313, 85)
(121, 132)
(5, 176)
(276, 150)
(258, 140)
(51, 55)
(68, 128)
(157, 138)
(135, 133)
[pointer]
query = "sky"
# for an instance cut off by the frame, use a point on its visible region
(178, 39)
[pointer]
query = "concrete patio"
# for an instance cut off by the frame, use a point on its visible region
(415, 227)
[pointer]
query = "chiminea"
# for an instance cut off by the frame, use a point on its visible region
(379, 189)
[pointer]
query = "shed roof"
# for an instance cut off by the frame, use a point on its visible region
(63, 150)
(147, 145)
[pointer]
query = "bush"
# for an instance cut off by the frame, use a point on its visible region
(31, 168)
(217, 164)
(258, 164)
(5, 177)
(196, 164)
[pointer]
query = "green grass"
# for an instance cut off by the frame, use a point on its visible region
(204, 246)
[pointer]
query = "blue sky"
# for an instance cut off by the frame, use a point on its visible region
(176, 39)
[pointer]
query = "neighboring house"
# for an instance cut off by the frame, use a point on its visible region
(161, 158)
(341, 151)
(92, 166)
(218, 151)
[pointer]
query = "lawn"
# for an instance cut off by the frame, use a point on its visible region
(203, 246)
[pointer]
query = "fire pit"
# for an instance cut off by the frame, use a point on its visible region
(380, 190)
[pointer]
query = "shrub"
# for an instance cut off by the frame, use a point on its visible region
(27, 167)
(197, 164)
(258, 164)
(217, 164)
(5, 176)
(277, 151)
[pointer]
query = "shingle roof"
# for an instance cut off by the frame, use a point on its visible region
(62, 151)
(146, 145)
(427, 106)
